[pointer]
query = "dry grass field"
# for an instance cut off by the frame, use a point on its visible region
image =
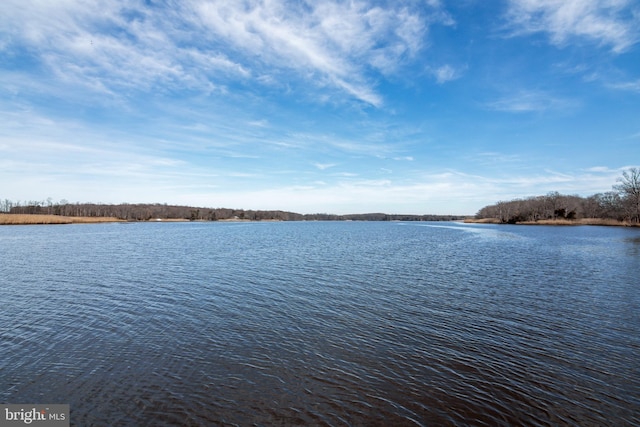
(482, 221)
(20, 219)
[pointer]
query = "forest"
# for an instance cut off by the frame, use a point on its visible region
(622, 204)
(147, 212)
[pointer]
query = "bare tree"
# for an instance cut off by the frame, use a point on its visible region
(629, 188)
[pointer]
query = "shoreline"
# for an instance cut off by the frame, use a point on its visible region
(557, 222)
(42, 219)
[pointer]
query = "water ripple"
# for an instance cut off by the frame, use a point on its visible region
(322, 324)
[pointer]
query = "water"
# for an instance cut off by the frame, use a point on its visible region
(322, 323)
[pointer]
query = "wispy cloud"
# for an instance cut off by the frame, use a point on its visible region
(445, 73)
(323, 166)
(598, 169)
(331, 39)
(633, 86)
(603, 22)
(332, 45)
(531, 101)
(363, 145)
(494, 158)
(259, 123)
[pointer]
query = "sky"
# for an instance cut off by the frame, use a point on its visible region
(408, 107)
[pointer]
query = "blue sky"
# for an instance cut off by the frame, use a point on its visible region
(317, 106)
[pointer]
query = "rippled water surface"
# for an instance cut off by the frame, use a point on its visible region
(322, 323)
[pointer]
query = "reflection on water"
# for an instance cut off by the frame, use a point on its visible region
(634, 240)
(322, 323)
(634, 245)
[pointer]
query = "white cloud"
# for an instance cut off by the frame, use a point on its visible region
(598, 169)
(345, 174)
(329, 38)
(605, 22)
(203, 45)
(323, 166)
(123, 46)
(259, 123)
(445, 73)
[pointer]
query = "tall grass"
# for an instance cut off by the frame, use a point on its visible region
(483, 221)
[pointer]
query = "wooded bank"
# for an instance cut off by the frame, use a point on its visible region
(581, 221)
(621, 206)
(151, 212)
(26, 219)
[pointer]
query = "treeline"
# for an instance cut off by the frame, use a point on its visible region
(146, 212)
(620, 204)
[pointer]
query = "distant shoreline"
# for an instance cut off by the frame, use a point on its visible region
(558, 222)
(43, 219)
(46, 219)
(35, 219)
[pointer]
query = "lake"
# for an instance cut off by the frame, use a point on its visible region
(322, 323)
